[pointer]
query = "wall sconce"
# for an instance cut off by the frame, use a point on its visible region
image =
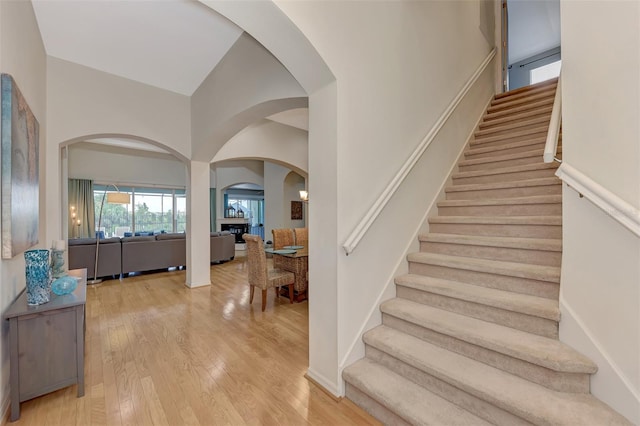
(304, 196)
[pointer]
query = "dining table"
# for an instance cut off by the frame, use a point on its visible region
(294, 259)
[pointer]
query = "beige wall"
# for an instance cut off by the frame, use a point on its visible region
(397, 66)
(600, 292)
(104, 164)
(83, 101)
(247, 85)
(270, 141)
(22, 55)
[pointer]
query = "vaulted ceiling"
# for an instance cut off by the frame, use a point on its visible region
(169, 44)
(172, 44)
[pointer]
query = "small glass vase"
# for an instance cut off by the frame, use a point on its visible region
(57, 263)
(38, 276)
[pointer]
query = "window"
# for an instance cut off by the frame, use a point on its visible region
(152, 210)
(545, 72)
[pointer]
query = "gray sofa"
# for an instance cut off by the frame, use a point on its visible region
(144, 253)
(154, 252)
(82, 254)
(222, 246)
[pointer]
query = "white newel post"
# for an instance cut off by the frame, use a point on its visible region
(198, 250)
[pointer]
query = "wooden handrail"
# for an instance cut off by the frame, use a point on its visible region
(374, 211)
(551, 146)
(620, 210)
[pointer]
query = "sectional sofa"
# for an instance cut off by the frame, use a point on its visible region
(143, 253)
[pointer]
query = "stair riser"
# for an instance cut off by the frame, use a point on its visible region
(506, 254)
(473, 404)
(533, 138)
(498, 230)
(525, 191)
(497, 106)
(517, 103)
(551, 209)
(530, 133)
(507, 177)
(372, 407)
(563, 382)
(536, 325)
(532, 108)
(501, 163)
(547, 90)
(507, 119)
(518, 126)
(536, 145)
(501, 282)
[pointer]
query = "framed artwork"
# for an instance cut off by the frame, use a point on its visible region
(19, 147)
(296, 210)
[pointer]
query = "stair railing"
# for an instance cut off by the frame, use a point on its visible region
(620, 210)
(374, 211)
(551, 146)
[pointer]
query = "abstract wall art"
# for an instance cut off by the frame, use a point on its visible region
(296, 210)
(19, 147)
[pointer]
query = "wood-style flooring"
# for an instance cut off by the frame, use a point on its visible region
(158, 353)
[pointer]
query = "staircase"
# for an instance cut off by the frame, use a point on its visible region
(472, 336)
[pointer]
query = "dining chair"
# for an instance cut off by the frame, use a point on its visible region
(282, 237)
(302, 236)
(259, 274)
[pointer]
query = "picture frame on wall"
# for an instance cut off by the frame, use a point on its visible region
(296, 210)
(19, 170)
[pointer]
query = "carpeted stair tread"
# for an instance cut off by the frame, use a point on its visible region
(548, 244)
(536, 199)
(512, 269)
(538, 350)
(543, 85)
(505, 170)
(499, 220)
(541, 111)
(505, 157)
(497, 149)
(516, 102)
(540, 137)
(529, 95)
(533, 106)
(405, 398)
(479, 140)
(507, 300)
(504, 185)
(514, 125)
(527, 400)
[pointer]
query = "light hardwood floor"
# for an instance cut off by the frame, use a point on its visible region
(159, 353)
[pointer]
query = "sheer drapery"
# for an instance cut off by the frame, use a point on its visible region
(82, 205)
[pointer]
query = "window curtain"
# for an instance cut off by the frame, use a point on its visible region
(212, 209)
(81, 203)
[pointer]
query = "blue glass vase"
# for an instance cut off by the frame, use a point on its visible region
(38, 274)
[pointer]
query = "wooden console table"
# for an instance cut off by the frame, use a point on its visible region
(46, 344)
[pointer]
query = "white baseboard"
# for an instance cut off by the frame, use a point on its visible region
(609, 383)
(329, 387)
